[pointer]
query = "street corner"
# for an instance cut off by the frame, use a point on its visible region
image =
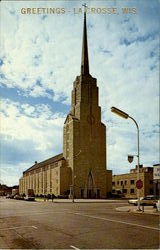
(146, 210)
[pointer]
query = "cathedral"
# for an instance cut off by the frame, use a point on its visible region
(80, 171)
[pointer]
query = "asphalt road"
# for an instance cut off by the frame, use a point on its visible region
(47, 225)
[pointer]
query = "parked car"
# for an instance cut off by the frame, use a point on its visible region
(29, 198)
(62, 196)
(113, 195)
(18, 197)
(148, 201)
(8, 196)
(11, 196)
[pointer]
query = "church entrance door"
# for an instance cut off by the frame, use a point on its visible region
(90, 194)
(90, 187)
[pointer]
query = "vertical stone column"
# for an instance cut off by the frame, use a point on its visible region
(22, 185)
(43, 181)
(49, 179)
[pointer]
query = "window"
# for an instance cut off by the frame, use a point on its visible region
(113, 183)
(151, 182)
(132, 191)
(125, 182)
(132, 181)
(117, 182)
(121, 182)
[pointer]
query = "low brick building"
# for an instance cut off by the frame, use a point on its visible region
(47, 177)
(125, 184)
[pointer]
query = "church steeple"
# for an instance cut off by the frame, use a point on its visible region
(84, 60)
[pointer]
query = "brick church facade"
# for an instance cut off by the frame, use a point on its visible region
(81, 170)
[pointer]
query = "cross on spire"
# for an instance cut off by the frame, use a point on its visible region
(84, 60)
(84, 5)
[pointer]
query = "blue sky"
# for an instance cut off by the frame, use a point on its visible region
(39, 60)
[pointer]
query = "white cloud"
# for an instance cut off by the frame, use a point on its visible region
(10, 173)
(38, 122)
(28, 132)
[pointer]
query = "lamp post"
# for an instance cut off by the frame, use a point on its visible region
(126, 116)
(74, 177)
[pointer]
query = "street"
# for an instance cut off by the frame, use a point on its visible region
(87, 225)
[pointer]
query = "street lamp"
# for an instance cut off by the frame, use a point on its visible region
(73, 183)
(126, 116)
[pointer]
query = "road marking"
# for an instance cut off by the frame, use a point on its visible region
(12, 228)
(117, 221)
(74, 247)
(19, 235)
(33, 213)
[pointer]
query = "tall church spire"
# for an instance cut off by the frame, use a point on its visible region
(84, 60)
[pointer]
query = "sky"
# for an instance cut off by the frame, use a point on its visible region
(39, 60)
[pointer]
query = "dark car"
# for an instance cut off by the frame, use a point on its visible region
(8, 196)
(29, 198)
(62, 196)
(18, 197)
(11, 196)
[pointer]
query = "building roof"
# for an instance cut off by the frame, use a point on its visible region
(134, 170)
(45, 162)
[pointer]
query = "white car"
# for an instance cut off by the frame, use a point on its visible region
(148, 201)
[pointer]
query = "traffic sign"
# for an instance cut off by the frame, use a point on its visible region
(139, 184)
(130, 158)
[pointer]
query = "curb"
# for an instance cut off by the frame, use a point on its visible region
(133, 210)
(146, 212)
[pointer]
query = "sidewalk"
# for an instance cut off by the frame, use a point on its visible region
(133, 209)
(79, 200)
(87, 200)
(127, 208)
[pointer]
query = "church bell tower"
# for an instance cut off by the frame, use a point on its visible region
(84, 141)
